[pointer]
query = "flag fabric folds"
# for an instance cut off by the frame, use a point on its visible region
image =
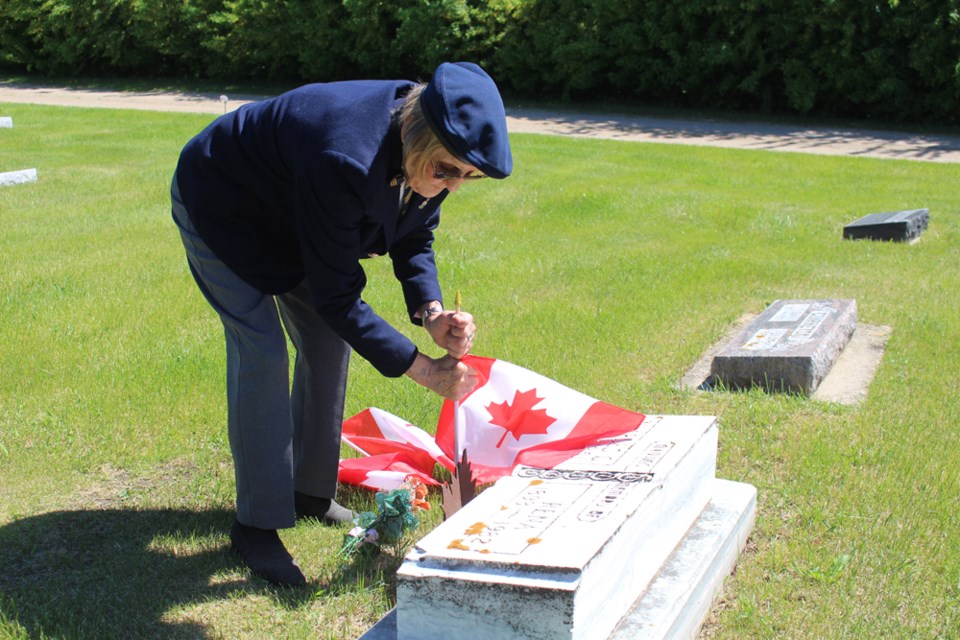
(393, 448)
(514, 416)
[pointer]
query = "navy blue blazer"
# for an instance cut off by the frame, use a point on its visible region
(304, 186)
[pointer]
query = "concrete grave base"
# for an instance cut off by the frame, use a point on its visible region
(681, 595)
(847, 382)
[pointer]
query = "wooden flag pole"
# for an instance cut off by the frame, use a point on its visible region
(461, 490)
(457, 301)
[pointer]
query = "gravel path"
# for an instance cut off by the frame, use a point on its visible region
(717, 133)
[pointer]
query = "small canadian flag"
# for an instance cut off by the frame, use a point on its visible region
(513, 416)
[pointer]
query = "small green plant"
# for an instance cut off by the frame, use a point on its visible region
(831, 573)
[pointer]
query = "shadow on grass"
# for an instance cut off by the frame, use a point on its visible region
(115, 573)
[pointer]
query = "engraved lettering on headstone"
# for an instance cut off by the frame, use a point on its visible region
(764, 340)
(580, 474)
(606, 502)
(613, 452)
(805, 330)
(790, 313)
(526, 518)
(603, 456)
(653, 454)
(776, 339)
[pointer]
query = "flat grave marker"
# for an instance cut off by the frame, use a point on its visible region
(8, 178)
(791, 346)
(899, 226)
(17, 177)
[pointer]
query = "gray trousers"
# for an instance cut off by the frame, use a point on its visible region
(281, 438)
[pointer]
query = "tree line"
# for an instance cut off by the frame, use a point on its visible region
(891, 60)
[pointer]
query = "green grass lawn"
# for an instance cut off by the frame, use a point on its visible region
(608, 266)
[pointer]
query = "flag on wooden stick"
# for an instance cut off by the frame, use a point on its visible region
(514, 416)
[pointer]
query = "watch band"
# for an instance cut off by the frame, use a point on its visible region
(429, 311)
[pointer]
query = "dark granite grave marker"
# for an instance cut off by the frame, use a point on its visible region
(901, 226)
(789, 347)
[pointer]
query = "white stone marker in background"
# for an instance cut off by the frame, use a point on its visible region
(17, 177)
(570, 553)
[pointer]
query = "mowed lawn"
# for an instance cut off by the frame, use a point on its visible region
(608, 266)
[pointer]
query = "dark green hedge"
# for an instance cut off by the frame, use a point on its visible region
(896, 60)
(883, 59)
(249, 39)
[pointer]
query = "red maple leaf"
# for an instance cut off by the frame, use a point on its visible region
(520, 418)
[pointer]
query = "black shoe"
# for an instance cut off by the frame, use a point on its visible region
(264, 553)
(326, 510)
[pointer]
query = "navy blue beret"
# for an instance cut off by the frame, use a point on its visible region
(463, 108)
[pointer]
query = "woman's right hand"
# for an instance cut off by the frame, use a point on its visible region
(446, 376)
(452, 330)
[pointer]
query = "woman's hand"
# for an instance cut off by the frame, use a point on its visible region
(452, 330)
(446, 376)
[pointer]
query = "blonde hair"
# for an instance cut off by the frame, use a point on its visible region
(419, 142)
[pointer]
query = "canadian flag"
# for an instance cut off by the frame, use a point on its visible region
(393, 448)
(514, 416)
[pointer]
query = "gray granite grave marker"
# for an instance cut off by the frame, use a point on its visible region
(6, 122)
(900, 226)
(789, 347)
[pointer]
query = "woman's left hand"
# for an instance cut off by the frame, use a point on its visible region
(453, 331)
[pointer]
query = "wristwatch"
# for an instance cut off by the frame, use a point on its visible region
(429, 311)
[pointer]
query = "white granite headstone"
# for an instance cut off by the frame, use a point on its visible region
(567, 552)
(6, 122)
